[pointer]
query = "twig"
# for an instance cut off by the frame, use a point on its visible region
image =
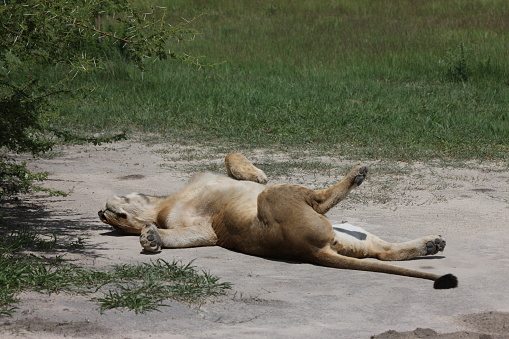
(104, 33)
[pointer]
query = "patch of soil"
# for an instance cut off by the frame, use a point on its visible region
(486, 325)
(467, 204)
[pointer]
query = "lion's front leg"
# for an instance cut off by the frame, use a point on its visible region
(153, 239)
(150, 239)
(240, 168)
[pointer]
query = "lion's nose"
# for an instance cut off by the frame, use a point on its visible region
(102, 216)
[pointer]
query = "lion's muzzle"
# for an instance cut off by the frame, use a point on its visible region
(102, 216)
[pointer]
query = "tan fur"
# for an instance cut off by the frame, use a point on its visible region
(240, 168)
(284, 221)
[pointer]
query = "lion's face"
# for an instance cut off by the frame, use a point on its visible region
(128, 214)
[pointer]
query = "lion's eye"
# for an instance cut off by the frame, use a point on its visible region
(121, 215)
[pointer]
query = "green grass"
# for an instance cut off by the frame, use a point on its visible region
(141, 288)
(398, 79)
(156, 282)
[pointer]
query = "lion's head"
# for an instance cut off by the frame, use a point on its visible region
(128, 214)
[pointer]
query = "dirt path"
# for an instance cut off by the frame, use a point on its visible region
(469, 205)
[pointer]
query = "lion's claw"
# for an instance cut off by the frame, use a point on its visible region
(433, 247)
(358, 180)
(362, 171)
(150, 239)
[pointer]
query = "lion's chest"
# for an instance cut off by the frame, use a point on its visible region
(198, 203)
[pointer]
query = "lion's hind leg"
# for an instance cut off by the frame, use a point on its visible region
(325, 199)
(356, 242)
(429, 245)
(240, 168)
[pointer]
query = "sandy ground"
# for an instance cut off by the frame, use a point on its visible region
(468, 204)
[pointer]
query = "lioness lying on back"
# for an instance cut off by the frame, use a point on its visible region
(239, 212)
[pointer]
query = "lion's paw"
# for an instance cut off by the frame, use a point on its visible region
(359, 173)
(261, 178)
(257, 176)
(150, 239)
(435, 244)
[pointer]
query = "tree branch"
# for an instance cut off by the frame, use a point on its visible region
(104, 33)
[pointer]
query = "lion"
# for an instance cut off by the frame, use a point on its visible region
(240, 212)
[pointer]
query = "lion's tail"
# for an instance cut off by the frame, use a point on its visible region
(446, 281)
(330, 258)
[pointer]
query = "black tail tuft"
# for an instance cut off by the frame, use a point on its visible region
(446, 281)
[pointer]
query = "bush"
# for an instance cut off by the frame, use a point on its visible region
(67, 35)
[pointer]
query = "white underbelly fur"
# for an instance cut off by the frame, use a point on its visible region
(351, 234)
